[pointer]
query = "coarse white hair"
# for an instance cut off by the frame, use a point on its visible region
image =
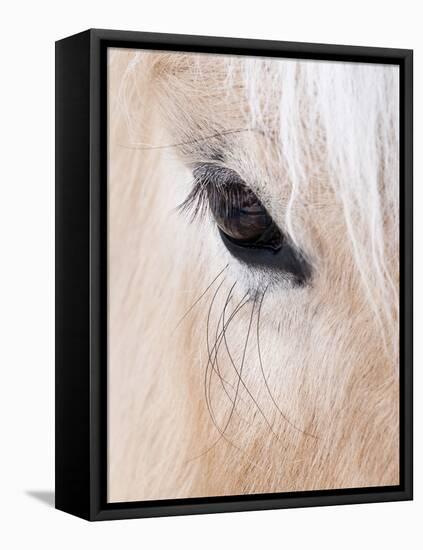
(227, 379)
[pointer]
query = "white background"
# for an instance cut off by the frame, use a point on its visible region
(27, 37)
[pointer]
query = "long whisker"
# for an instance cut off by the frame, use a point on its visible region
(209, 357)
(182, 143)
(209, 372)
(241, 304)
(241, 367)
(248, 390)
(264, 375)
(199, 298)
(216, 347)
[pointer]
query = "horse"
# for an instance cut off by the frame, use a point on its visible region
(253, 275)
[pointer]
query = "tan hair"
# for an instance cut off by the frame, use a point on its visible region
(257, 386)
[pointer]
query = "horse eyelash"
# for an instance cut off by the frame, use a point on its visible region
(211, 189)
(196, 204)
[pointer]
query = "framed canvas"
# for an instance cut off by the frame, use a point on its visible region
(233, 274)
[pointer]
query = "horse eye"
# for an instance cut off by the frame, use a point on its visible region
(243, 219)
(245, 226)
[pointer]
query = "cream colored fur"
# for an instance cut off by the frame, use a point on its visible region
(318, 142)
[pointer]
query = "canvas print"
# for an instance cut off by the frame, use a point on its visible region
(253, 275)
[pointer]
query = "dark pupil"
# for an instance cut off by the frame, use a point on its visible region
(243, 218)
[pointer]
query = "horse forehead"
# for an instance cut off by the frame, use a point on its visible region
(211, 115)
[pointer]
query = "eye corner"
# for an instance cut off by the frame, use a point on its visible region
(286, 261)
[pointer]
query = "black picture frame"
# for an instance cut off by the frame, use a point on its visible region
(81, 274)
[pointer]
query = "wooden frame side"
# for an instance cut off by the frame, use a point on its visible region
(72, 371)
